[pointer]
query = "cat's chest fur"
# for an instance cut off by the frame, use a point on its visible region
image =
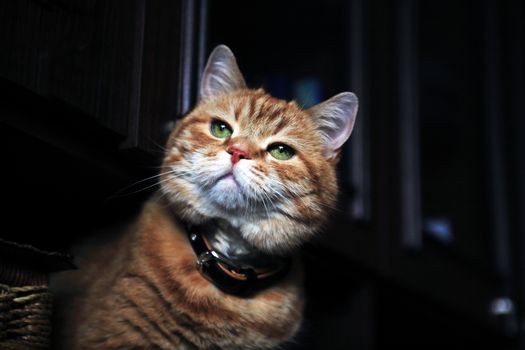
(144, 291)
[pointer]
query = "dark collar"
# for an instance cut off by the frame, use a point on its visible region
(228, 275)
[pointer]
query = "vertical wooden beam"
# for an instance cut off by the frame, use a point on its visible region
(132, 139)
(409, 138)
(202, 40)
(359, 165)
(495, 146)
(187, 59)
(193, 49)
(515, 13)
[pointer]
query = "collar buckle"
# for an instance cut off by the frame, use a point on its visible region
(204, 259)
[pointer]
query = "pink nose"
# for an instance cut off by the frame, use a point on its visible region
(237, 154)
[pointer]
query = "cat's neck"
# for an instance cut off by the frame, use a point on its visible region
(231, 263)
(227, 240)
(238, 267)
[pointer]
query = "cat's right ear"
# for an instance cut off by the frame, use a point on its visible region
(335, 120)
(221, 75)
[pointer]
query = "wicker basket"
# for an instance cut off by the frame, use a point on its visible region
(25, 314)
(25, 301)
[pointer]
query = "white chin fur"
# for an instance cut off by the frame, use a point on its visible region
(227, 193)
(235, 199)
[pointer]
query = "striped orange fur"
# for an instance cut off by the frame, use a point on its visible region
(142, 290)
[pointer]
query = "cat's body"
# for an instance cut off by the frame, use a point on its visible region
(258, 174)
(147, 294)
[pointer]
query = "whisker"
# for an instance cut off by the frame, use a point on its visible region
(139, 190)
(143, 180)
(160, 147)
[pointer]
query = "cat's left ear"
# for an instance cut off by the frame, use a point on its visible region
(221, 75)
(335, 119)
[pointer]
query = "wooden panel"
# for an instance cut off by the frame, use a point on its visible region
(161, 74)
(173, 58)
(85, 53)
(130, 64)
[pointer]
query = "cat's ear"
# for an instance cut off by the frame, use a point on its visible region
(221, 75)
(335, 119)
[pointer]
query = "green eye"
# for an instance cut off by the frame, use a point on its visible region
(280, 151)
(220, 129)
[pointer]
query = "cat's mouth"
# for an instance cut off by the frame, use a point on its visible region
(229, 177)
(229, 182)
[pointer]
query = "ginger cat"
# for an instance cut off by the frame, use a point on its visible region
(210, 262)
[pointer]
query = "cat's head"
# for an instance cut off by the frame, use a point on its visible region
(263, 164)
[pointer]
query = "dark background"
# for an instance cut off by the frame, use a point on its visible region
(427, 249)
